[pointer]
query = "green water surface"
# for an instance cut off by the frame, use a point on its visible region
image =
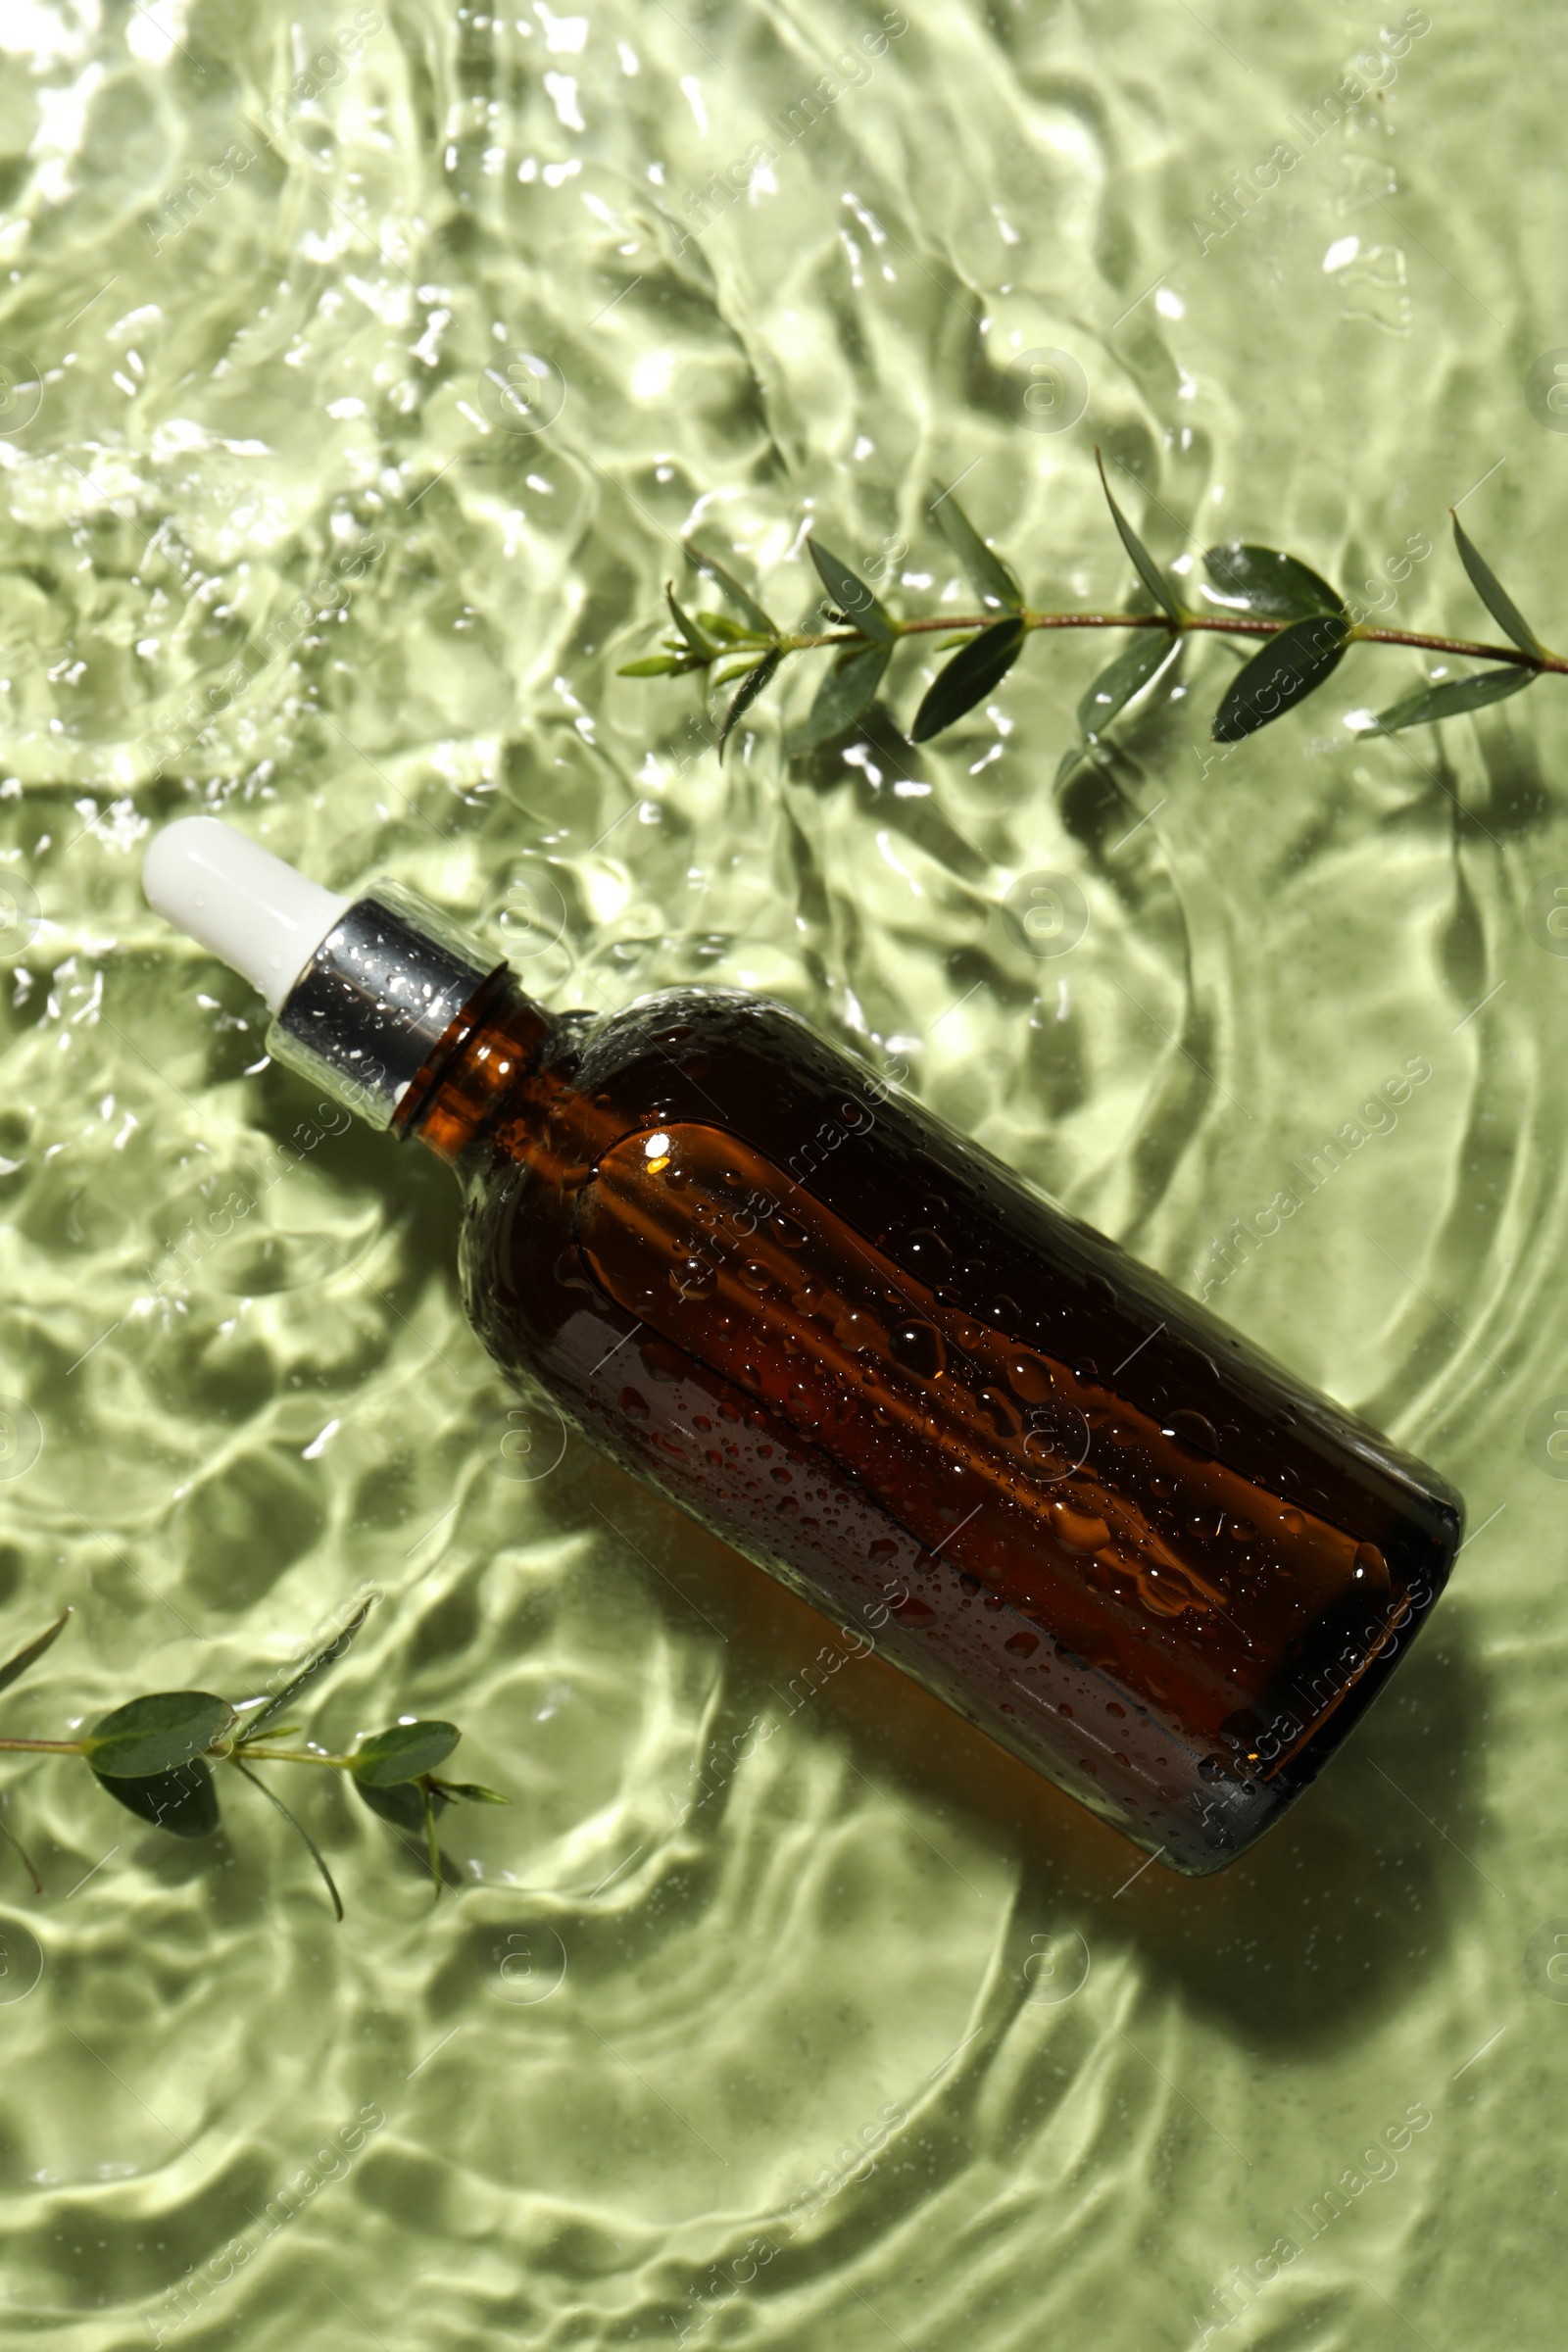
(806, 2022)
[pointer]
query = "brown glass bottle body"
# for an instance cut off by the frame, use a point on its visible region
(1047, 1485)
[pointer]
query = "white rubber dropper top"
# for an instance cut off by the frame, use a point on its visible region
(262, 917)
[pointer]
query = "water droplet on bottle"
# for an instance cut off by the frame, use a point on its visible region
(1079, 1531)
(692, 1278)
(918, 1348)
(1030, 1377)
(928, 1252)
(1371, 1568)
(1192, 1428)
(1002, 1414)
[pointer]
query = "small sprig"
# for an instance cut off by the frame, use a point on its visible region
(154, 1755)
(1258, 592)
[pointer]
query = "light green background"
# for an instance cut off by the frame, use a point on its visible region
(718, 1948)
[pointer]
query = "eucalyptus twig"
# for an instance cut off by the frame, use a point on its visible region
(154, 1755)
(1306, 626)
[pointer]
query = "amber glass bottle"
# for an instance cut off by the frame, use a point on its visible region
(1047, 1485)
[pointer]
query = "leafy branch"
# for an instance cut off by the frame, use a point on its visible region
(1258, 591)
(154, 1755)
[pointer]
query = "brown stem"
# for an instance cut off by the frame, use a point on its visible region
(283, 1755)
(57, 1748)
(1219, 624)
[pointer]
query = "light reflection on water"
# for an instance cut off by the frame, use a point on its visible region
(443, 324)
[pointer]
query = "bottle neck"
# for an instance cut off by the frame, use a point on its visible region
(473, 1078)
(410, 1021)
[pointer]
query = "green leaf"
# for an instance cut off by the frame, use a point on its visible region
(266, 1720)
(848, 685)
(472, 1789)
(312, 1848)
(1143, 563)
(402, 1752)
(851, 594)
(1263, 580)
(994, 582)
(1127, 677)
(712, 569)
(688, 628)
(751, 688)
(968, 677)
(1077, 755)
(1498, 603)
(155, 1734)
(404, 1805)
(1432, 702)
(1281, 674)
(731, 665)
(14, 1668)
(182, 1801)
(729, 632)
(652, 665)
